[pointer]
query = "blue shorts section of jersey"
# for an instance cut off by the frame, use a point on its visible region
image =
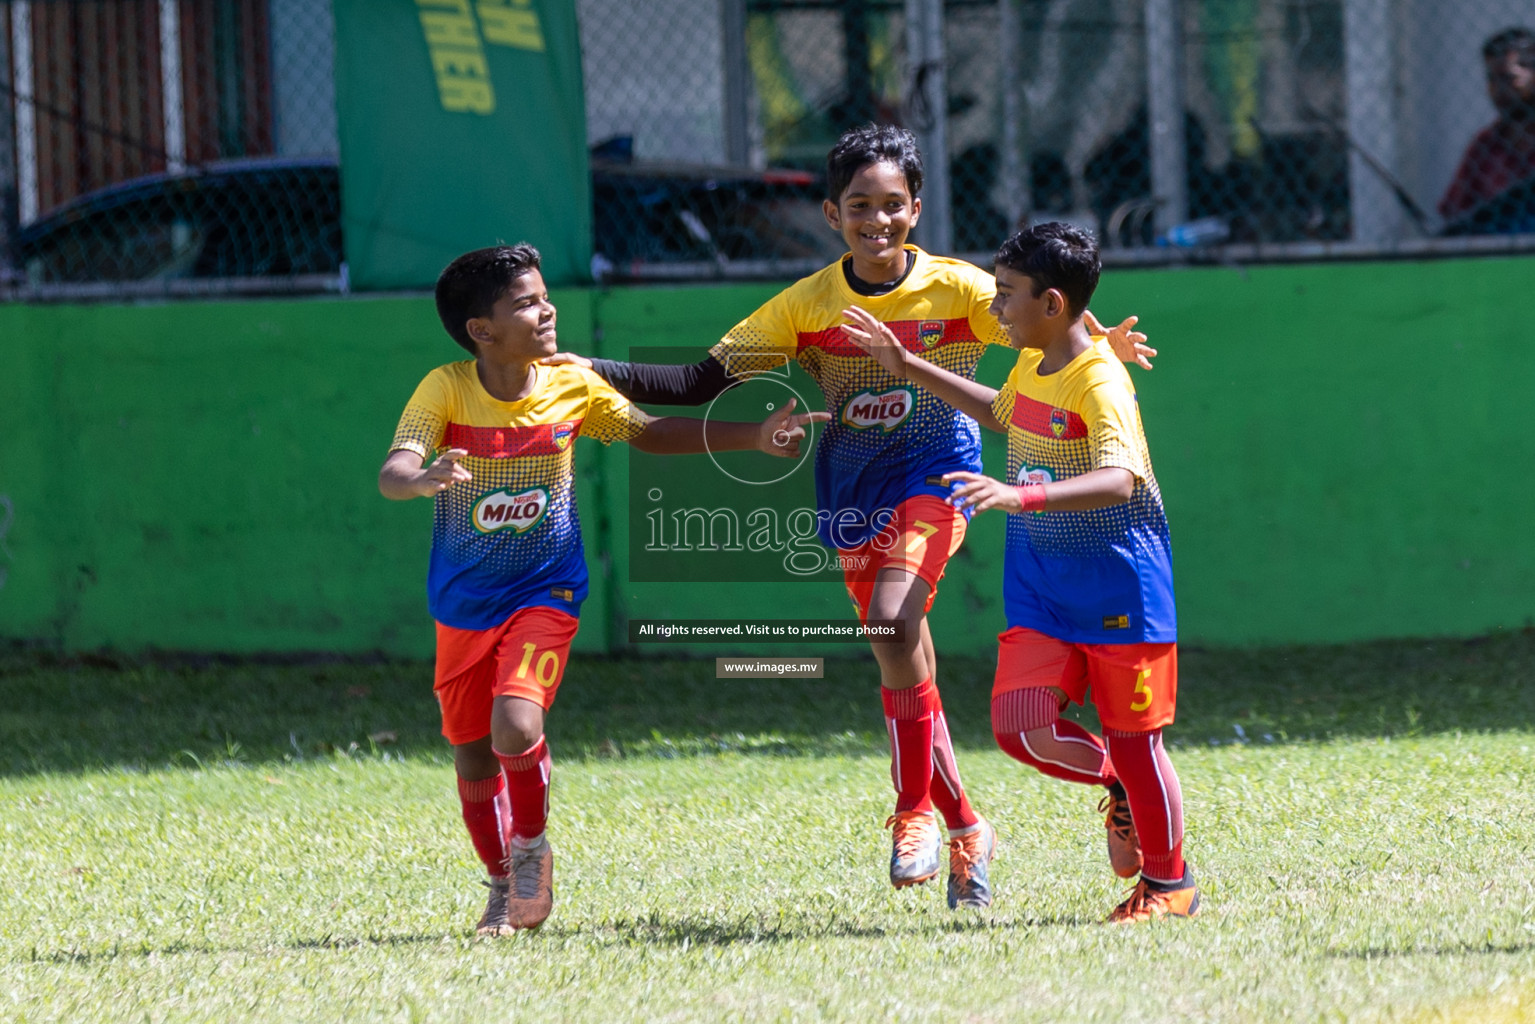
(1106, 591)
(475, 596)
(852, 494)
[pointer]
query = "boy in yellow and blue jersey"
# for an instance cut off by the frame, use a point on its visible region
(1087, 582)
(491, 441)
(880, 462)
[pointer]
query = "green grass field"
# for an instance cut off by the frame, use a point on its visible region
(211, 841)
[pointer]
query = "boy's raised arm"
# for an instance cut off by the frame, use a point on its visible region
(969, 397)
(780, 434)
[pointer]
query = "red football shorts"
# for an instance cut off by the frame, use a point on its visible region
(921, 538)
(1134, 686)
(523, 657)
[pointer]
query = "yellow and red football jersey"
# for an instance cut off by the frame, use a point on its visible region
(1102, 576)
(510, 538)
(888, 440)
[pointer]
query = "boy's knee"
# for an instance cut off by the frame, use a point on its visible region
(900, 596)
(513, 740)
(516, 726)
(1033, 747)
(909, 636)
(1025, 711)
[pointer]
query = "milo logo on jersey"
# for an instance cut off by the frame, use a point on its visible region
(885, 410)
(1028, 475)
(501, 509)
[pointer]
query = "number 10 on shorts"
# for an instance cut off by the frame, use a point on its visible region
(545, 671)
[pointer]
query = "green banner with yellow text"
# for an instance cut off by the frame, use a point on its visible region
(462, 125)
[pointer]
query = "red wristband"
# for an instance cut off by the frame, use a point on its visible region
(1032, 497)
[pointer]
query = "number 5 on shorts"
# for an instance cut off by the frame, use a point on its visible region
(1142, 691)
(547, 669)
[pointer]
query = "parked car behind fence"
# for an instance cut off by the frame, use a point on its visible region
(275, 224)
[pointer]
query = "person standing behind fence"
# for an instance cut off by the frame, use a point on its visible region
(1503, 153)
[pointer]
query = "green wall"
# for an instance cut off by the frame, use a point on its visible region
(1343, 450)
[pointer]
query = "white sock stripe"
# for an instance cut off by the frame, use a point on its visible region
(1154, 740)
(895, 755)
(944, 765)
(1074, 739)
(1100, 752)
(941, 771)
(1023, 738)
(1169, 775)
(504, 833)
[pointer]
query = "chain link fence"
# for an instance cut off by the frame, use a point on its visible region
(188, 144)
(193, 143)
(1178, 129)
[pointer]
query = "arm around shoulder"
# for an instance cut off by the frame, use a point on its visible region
(658, 383)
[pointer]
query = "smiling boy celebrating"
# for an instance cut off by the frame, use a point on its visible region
(880, 462)
(491, 441)
(1088, 570)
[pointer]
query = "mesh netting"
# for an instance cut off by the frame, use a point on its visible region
(195, 140)
(192, 140)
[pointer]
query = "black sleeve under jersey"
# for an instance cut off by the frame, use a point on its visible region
(663, 384)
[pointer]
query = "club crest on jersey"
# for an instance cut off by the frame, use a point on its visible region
(502, 509)
(885, 410)
(563, 432)
(930, 332)
(1028, 475)
(1057, 422)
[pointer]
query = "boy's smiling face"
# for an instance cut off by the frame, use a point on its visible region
(521, 323)
(1020, 312)
(875, 214)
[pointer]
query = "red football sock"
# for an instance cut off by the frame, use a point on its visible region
(488, 815)
(946, 791)
(1029, 728)
(1156, 801)
(527, 779)
(909, 718)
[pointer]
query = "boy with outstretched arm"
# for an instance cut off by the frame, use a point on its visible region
(880, 460)
(1088, 572)
(491, 441)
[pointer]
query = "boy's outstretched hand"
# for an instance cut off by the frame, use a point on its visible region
(869, 333)
(1130, 346)
(444, 471)
(980, 493)
(405, 475)
(782, 432)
